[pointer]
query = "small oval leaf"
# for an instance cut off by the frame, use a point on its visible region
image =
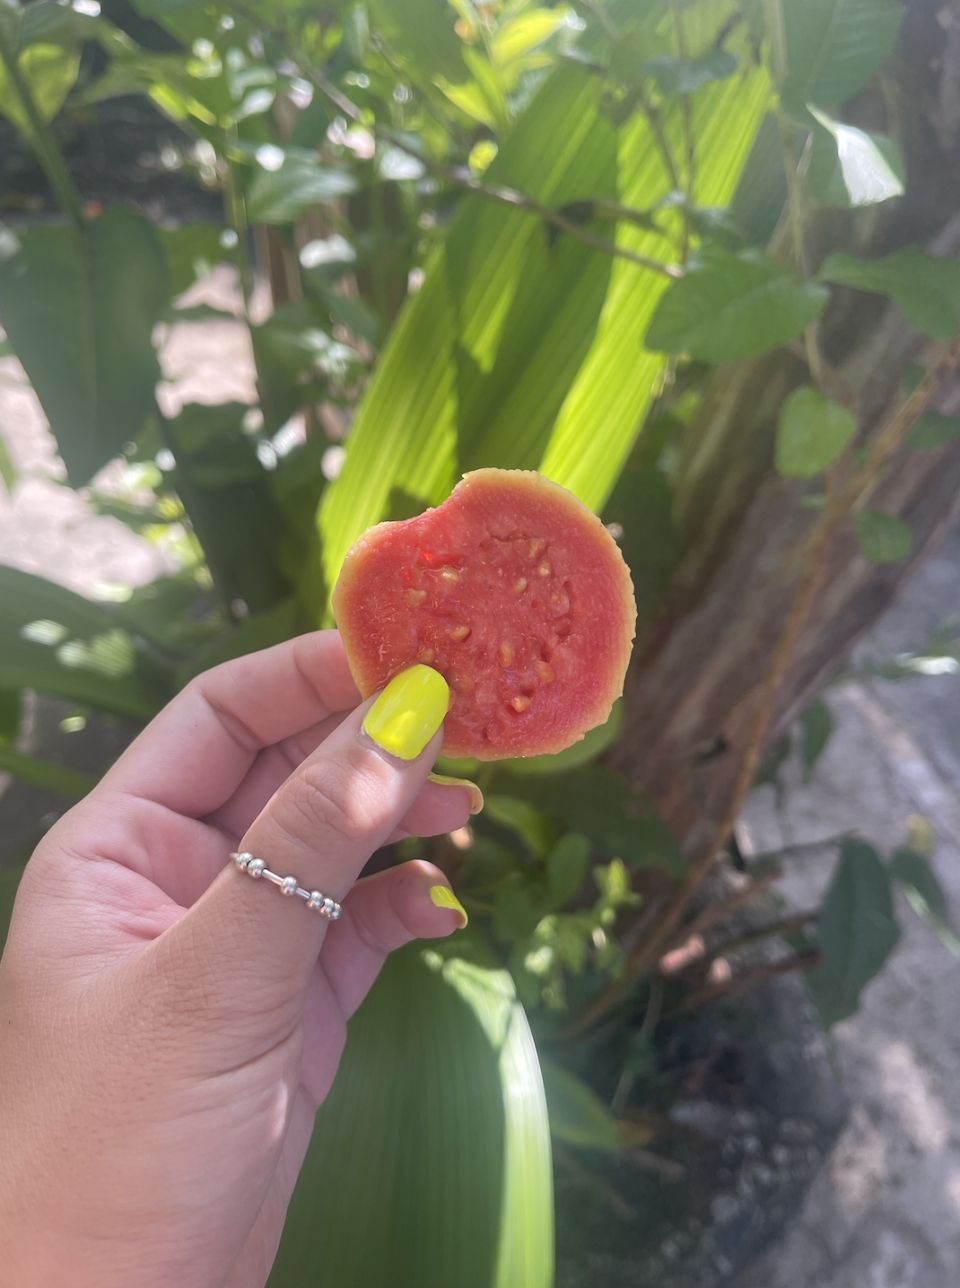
(883, 537)
(811, 433)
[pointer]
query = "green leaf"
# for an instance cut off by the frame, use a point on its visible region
(566, 867)
(926, 288)
(591, 745)
(80, 312)
(49, 71)
(834, 47)
(44, 774)
(434, 1135)
(9, 881)
(924, 893)
(933, 430)
(191, 252)
(282, 196)
(687, 75)
(816, 726)
(530, 825)
(422, 32)
(260, 630)
(731, 306)
(811, 433)
(11, 707)
(883, 538)
(577, 1114)
(849, 167)
(620, 821)
(58, 642)
(857, 932)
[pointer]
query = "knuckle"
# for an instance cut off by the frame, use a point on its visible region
(321, 799)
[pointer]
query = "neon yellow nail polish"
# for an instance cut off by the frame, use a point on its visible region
(444, 897)
(476, 795)
(408, 712)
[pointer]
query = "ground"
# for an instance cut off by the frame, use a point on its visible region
(885, 1210)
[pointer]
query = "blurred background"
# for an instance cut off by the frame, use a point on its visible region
(270, 274)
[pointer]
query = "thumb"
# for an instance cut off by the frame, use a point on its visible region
(243, 950)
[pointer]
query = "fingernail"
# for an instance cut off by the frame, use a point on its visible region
(408, 712)
(476, 795)
(444, 897)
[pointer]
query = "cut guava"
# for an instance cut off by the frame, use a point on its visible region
(515, 592)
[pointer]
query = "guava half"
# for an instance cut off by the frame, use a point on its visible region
(515, 592)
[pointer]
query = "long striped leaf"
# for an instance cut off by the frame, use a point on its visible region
(521, 353)
(430, 1160)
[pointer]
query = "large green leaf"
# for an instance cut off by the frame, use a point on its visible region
(731, 306)
(58, 642)
(45, 774)
(79, 311)
(925, 287)
(857, 932)
(811, 433)
(430, 1161)
(49, 72)
(834, 47)
(448, 354)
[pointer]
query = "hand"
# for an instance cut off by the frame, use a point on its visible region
(168, 1026)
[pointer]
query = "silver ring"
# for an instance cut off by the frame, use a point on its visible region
(289, 886)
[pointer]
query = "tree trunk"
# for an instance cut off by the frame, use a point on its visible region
(693, 681)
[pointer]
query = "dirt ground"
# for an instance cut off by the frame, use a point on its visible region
(885, 1211)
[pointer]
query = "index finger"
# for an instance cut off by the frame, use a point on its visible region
(196, 752)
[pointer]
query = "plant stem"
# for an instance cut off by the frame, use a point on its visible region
(748, 979)
(41, 138)
(788, 138)
(457, 177)
(721, 908)
(812, 570)
(237, 219)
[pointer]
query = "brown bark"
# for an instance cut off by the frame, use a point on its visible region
(693, 682)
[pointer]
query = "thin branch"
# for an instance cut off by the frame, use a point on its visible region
(785, 926)
(721, 908)
(812, 570)
(686, 106)
(41, 137)
(458, 178)
(795, 211)
(748, 979)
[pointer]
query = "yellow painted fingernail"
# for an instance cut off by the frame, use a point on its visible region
(408, 712)
(444, 897)
(476, 795)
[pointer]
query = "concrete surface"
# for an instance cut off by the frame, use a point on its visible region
(886, 1212)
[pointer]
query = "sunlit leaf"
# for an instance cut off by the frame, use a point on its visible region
(49, 72)
(79, 312)
(856, 931)
(849, 167)
(519, 816)
(926, 288)
(731, 306)
(924, 893)
(40, 621)
(883, 538)
(566, 866)
(811, 433)
(435, 1136)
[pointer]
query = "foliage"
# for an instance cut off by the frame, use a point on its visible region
(513, 234)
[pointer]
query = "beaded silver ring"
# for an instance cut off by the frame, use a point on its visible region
(289, 886)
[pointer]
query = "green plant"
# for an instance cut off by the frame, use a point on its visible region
(512, 235)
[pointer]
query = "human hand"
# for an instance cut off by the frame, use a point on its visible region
(168, 1026)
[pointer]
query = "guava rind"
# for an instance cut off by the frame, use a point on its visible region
(515, 592)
